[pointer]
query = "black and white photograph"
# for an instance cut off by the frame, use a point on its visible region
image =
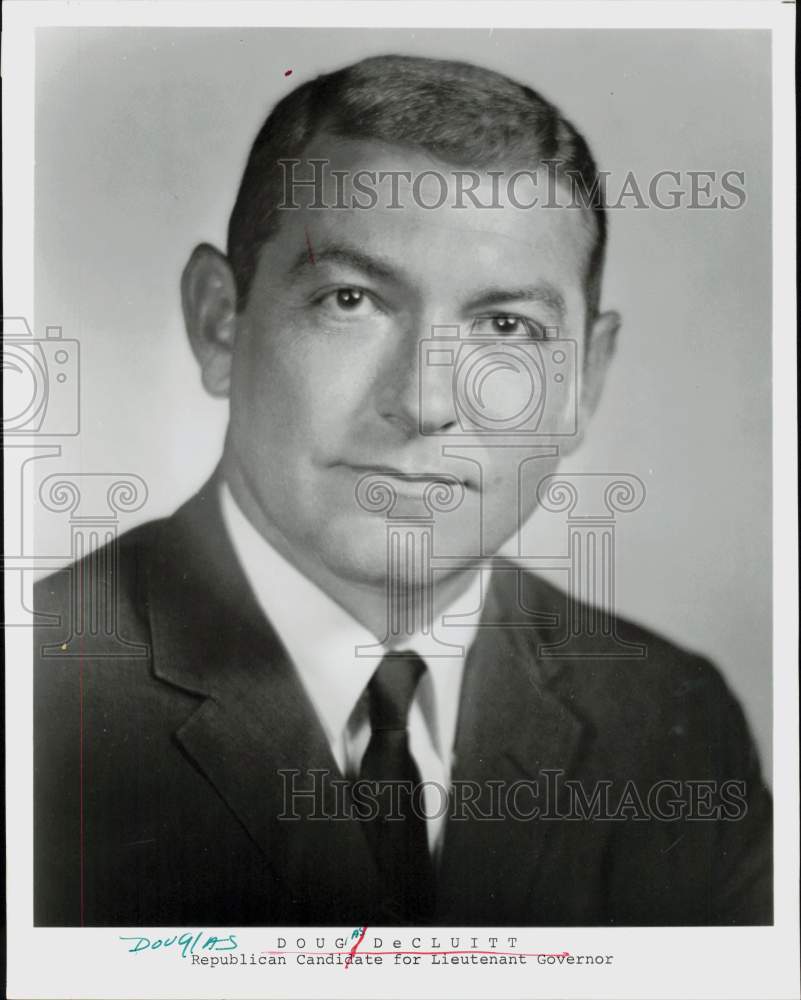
(399, 569)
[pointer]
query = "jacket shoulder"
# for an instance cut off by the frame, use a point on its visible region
(122, 560)
(641, 685)
(98, 600)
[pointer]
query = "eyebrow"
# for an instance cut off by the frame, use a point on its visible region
(544, 293)
(380, 268)
(374, 267)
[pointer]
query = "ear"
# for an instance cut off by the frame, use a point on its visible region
(599, 351)
(208, 297)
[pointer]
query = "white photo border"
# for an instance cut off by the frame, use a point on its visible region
(739, 962)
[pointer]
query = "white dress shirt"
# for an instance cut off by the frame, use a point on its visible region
(322, 640)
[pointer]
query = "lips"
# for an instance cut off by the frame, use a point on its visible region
(407, 476)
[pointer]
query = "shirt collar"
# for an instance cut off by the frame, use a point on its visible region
(322, 638)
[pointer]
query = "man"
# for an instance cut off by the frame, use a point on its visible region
(308, 680)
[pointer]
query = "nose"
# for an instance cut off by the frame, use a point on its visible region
(418, 390)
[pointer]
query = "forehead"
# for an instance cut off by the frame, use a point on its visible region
(440, 224)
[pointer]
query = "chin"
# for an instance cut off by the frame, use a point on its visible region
(357, 549)
(367, 569)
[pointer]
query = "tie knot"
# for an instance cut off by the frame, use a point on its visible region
(392, 688)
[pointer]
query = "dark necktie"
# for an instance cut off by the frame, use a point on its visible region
(397, 835)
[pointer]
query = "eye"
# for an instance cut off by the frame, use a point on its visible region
(505, 325)
(349, 300)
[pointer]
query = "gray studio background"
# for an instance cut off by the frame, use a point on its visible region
(141, 137)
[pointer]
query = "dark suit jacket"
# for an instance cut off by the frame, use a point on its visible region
(157, 797)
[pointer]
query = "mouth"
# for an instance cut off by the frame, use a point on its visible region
(409, 477)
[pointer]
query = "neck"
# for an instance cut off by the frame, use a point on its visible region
(365, 602)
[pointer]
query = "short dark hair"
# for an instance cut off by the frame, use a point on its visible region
(462, 114)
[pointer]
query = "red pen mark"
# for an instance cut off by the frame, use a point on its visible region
(81, 734)
(288, 72)
(309, 246)
(355, 948)
(80, 780)
(417, 951)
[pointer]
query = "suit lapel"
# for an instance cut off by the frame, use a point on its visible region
(511, 728)
(254, 720)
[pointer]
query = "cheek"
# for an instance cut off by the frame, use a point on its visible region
(301, 386)
(511, 479)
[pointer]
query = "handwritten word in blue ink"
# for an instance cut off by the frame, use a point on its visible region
(187, 942)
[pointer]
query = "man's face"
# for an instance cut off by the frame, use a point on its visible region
(326, 375)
